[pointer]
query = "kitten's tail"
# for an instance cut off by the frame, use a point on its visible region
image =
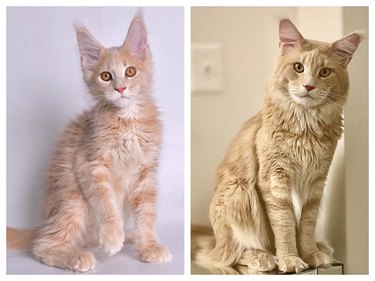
(20, 239)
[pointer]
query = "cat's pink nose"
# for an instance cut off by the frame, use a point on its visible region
(309, 87)
(120, 89)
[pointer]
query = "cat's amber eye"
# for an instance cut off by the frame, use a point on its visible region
(324, 72)
(130, 71)
(298, 67)
(106, 76)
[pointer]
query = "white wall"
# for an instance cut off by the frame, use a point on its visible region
(249, 37)
(45, 90)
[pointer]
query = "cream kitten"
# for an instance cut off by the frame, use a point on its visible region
(270, 183)
(106, 161)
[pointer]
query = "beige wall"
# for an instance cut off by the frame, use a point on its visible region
(249, 37)
(356, 149)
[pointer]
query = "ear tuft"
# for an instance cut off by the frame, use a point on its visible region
(89, 48)
(345, 47)
(136, 40)
(289, 36)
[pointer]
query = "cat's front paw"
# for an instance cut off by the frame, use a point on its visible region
(111, 238)
(319, 259)
(291, 264)
(154, 253)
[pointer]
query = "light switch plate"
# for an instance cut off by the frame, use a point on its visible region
(207, 68)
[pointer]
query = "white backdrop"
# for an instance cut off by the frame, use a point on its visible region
(45, 90)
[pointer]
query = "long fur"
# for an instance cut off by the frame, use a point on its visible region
(105, 165)
(269, 185)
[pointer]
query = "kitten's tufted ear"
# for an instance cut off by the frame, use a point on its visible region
(136, 39)
(290, 38)
(89, 48)
(345, 47)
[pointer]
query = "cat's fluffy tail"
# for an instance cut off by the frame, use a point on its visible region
(206, 253)
(202, 240)
(20, 239)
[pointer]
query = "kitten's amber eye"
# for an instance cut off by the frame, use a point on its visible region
(130, 71)
(324, 72)
(298, 67)
(106, 76)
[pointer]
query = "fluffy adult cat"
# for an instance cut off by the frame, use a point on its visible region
(270, 183)
(106, 161)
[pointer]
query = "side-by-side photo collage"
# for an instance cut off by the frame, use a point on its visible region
(186, 140)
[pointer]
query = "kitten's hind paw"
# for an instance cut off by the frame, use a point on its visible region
(291, 264)
(82, 262)
(154, 253)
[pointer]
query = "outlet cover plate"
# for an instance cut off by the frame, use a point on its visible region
(207, 68)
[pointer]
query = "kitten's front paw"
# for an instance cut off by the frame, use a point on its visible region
(319, 259)
(111, 238)
(291, 264)
(154, 253)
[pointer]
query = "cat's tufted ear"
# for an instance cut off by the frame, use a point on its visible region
(136, 39)
(345, 47)
(290, 38)
(89, 48)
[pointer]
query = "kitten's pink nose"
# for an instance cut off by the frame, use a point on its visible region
(120, 89)
(309, 87)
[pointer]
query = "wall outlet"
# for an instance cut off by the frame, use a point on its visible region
(207, 68)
